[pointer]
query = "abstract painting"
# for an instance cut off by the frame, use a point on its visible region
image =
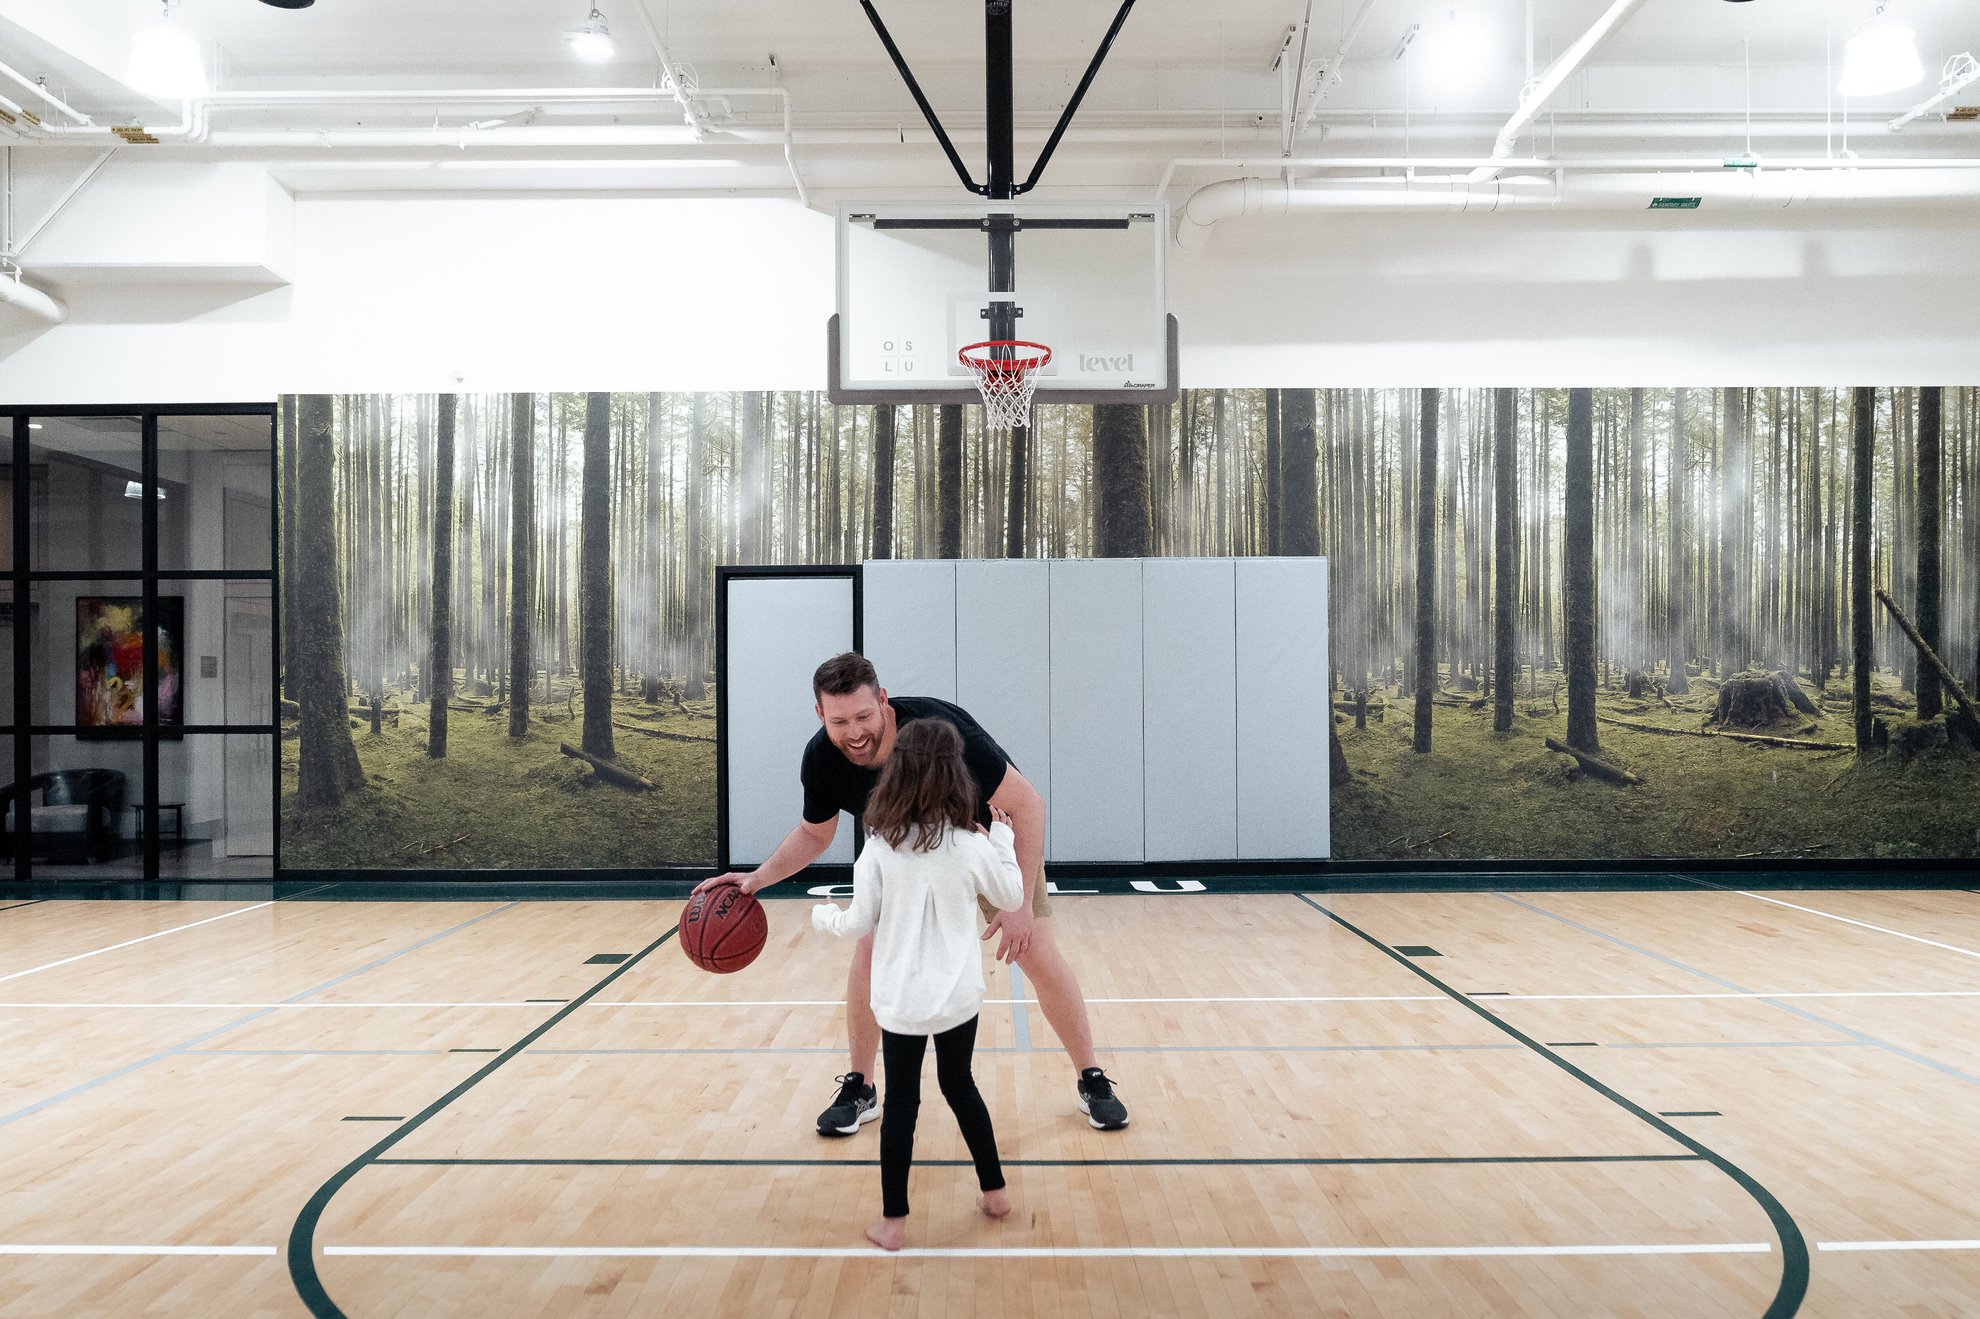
(110, 633)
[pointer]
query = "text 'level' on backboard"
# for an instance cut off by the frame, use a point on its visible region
(918, 281)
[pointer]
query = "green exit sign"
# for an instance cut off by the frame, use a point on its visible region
(1674, 203)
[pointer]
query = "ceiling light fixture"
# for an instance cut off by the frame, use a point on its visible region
(591, 41)
(1449, 49)
(165, 61)
(289, 4)
(1881, 58)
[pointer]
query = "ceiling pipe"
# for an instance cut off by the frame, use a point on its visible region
(15, 293)
(1568, 191)
(54, 102)
(1329, 70)
(1961, 71)
(1534, 97)
(1548, 165)
(668, 69)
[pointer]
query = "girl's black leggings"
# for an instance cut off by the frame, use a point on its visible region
(903, 1054)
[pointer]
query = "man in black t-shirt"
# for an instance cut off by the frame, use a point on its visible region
(840, 766)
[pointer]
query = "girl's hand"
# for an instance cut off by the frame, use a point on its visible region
(1001, 816)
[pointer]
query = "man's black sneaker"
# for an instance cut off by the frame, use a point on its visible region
(1097, 1100)
(858, 1103)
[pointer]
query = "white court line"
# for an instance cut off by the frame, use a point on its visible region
(1043, 1252)
(1039, 1252)
(1932, 943)
(1032, 1002)
(242, 911)
(137, 1250)
(1898, 1245)
(285, 1007)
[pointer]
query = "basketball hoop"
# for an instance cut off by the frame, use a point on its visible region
(1006, 373)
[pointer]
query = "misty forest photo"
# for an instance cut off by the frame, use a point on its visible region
(1655, 623)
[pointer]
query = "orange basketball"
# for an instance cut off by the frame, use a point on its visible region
(723, 929)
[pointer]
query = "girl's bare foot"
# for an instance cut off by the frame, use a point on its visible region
(891, 1233)
(994, 1204)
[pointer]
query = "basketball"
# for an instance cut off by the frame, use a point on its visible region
(723, 929)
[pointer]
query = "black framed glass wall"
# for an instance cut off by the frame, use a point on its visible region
(138, 631)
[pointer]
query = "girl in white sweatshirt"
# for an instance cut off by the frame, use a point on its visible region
(915, 885)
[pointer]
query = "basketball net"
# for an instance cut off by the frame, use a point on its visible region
(1006, 372)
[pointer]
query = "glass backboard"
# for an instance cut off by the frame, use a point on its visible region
(914, 287)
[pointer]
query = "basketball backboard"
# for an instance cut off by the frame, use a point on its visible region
(914, 287)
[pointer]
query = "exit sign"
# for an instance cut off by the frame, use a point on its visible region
(1674, 203)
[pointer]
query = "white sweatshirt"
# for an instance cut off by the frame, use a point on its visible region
(927, 966)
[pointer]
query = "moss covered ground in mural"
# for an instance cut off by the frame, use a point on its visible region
(1482, 795)
(497, 804)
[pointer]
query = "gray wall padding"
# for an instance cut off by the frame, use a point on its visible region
(1283, 714)
(779, 631)
(1189, 703)
(1166, 709)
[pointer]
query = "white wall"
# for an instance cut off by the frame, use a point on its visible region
(421, 294)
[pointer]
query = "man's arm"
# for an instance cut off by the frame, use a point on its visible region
(801, 846)
(1016, 797)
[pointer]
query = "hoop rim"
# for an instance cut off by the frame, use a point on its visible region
(1035, 361)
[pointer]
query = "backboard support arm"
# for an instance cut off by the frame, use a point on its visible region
(927, 110)
(1079, 94)
(998, 103)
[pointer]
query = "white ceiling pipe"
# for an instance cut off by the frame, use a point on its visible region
(667, 66)
(1329, 70)
(790, 158)
(1961, 71)
(1533, 98)
(28, 298)
(190, 128)
(578, 135)
(1566, 190)
(54, 102)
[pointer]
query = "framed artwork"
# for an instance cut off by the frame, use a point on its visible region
(110, 664)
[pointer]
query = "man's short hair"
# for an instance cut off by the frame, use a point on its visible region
(842, 675)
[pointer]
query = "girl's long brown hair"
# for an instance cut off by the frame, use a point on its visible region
(924, 787)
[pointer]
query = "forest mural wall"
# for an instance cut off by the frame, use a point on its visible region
(1690, 623)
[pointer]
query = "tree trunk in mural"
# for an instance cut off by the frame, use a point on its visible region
(1931, 426)
(1120, 480)
(1733, 652)
(290, 414)
(328, 760)
(1426, 571)
(1018, 496)
(1578, 570)
(1864, 420)
(883, 483)
(1677, 623)
(694, 584)
(1634, 650)
(1300, 453)
(595, 578)
(1274, 475)
(1505, 554)
(948, 482)
(522, 560)
(440, 661)
(749, 481)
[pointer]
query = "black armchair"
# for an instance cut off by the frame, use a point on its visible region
(78, 817)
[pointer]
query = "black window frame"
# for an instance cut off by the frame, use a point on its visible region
(148, 579)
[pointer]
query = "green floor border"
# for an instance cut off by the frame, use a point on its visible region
(583, 886)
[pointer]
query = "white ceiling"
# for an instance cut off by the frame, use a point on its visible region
(1186, 79)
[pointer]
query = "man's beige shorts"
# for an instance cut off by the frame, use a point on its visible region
(1041, 903)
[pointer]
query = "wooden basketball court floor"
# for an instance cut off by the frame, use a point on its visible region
(1563, 1103)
